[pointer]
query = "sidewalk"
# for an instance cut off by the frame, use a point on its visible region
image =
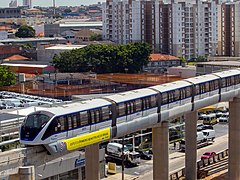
(118, 176)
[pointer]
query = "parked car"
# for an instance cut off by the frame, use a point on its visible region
(200, 127)
(144, 155)
(224, 118)
(208, 155)
(129, 146)
(201, 116)
(207, 127)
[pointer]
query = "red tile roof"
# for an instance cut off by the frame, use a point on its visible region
(162, 57)
(16, 58)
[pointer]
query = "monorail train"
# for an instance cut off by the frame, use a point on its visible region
(134, 109)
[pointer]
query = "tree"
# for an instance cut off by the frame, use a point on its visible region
(182, 60)
(102, 58)
(7, 77)
(200, 59)
(25, 31)
(95, 37)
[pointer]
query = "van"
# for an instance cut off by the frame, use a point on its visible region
(200, 137)
(209, 134)
(210, 119)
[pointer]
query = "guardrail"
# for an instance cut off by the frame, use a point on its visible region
(180, 173)
(9, 129)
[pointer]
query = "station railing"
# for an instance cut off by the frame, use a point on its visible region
(180, 173)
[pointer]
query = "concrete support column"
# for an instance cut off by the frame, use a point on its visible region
(191, 145)
(92, 162)
(160, 145)
(26, 173)
(234, 145)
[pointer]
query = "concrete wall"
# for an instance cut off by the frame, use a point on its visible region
(183, 72)
(67, 163)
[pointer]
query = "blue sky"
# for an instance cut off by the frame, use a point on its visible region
(4, 3)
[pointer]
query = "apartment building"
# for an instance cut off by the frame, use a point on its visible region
(27, 3)
(124, 20)
(229, 29)
(180, 28)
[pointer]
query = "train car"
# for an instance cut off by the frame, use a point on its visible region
(230, 81)
(137, 109)
(205, 90)
(176, 95)
(136, 105)
(66, 121)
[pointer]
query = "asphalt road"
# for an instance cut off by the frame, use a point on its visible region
(177, 159)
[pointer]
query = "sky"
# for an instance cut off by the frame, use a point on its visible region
(45, 3)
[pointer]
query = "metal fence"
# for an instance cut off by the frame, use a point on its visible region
(180, 173)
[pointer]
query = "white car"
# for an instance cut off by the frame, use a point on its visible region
(224, 118)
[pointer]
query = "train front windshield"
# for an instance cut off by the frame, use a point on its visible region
(32, 125)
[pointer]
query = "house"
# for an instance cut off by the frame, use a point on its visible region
(16, 58)
(85, 34)
(159, 63)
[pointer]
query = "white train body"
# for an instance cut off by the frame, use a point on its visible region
(137, 109)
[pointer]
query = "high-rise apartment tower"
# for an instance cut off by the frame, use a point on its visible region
(181, 28)
(27, 3)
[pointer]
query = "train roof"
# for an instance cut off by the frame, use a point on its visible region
(228, 73)
(171, 86)
(77, 106)
(130, 95)
(202, 79)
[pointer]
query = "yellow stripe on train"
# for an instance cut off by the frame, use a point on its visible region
(87, 139)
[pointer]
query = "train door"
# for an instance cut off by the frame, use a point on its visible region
(129, 110)
(70, 126)
(95, 118)
(62, 128)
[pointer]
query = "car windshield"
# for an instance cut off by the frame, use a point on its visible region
(207, 154)
(36, 121)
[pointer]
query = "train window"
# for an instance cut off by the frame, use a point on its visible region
(202, 88)
(97, 116)
(84, 118)
(237, 79)
(171, 96)
(106, 113)
(74, 120)
(147, 103)
(164, 98)
(69, 119)
(216, 84)
(223, 82)
(62, 123)
(52, 129)
(121, 109)
(177, 95)
(78, 119)
(129, 107)
(153, 101)
(188, 92)
(232, 81)
(206, 86)
(197, 89)
(138, 105)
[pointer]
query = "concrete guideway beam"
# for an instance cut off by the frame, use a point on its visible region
(161, 151)
(92, 162)
(191, 145)
(234, 145)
